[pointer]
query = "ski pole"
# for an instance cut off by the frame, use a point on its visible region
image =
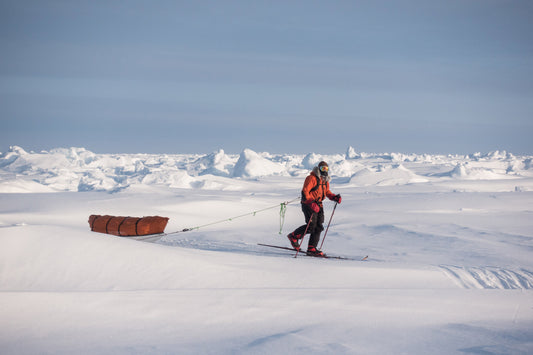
(330, 218)
(306, 228)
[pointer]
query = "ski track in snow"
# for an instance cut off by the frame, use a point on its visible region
(244, 248)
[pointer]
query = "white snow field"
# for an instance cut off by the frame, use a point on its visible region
(449, 240)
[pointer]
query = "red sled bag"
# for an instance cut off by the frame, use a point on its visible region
(128, 226)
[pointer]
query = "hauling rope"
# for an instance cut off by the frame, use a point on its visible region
(137, 226)
(282, 206)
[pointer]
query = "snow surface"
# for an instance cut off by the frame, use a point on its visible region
(449, 239)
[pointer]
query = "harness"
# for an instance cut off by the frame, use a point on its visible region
(316, 188)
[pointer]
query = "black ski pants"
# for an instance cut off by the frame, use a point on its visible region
(315, 227)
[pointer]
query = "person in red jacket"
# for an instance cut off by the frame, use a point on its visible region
(315, 190)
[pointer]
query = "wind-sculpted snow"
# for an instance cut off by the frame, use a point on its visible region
(77, 169)
(252, 164)
(490, 277)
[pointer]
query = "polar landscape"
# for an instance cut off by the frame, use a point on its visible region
(449, 240)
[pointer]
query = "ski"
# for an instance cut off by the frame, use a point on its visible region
(277, 247)
(305, 254)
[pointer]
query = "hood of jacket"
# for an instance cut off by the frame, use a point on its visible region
(316, 172)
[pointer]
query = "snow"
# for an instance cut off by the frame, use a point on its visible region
(251, 164)
(449, 239)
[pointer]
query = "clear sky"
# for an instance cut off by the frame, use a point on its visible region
(112, 76)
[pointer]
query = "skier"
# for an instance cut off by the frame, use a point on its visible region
(315, 190)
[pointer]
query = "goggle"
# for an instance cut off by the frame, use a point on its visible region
(324, 168)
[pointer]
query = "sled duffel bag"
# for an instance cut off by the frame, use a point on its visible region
(128, 226)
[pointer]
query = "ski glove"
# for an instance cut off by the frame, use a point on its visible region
(313, 205)
(336, 198)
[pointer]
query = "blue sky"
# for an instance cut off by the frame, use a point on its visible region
(451, 76)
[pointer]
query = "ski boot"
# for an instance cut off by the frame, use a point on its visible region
(294, 241)
(313, 251)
